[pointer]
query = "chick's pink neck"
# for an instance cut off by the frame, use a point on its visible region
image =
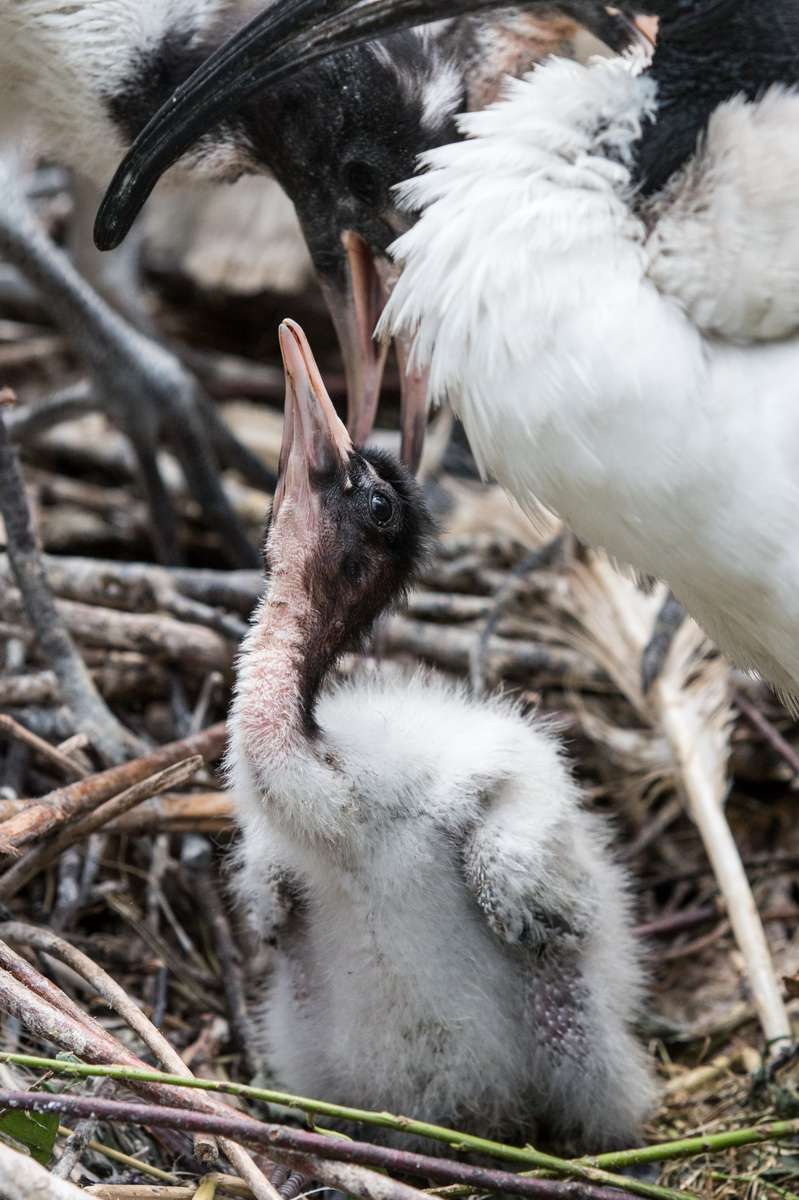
(270, 706)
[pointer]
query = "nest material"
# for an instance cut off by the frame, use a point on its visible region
(140, 890)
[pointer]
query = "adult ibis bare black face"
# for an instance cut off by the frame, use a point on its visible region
(337, 136)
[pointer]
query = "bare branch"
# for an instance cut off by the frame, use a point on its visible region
(304, 1149)
(17, 876)
(24, 1179)
(67, 803)
(112, 741)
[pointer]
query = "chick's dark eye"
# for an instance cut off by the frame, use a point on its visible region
(381, 508)
(363, 182)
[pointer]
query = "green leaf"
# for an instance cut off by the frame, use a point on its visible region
(35, 1131)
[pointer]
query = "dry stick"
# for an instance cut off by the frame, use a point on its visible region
(40, 856)
(541, 556)
(197, 856)
(77, 1143)
(37, 687)
(152, 634)
(452, 647)
(23, 1179)
(300, 1146)
(120, 675)
(26, 424)
(91, 1041)
(67, 803)
(135, 587)
(118, 999)
(56, 758)
(112, 741)
(184, 812)
(227, 1185)
(769, 732)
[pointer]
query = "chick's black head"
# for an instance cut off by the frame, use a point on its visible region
(371, 537)
(378, 535)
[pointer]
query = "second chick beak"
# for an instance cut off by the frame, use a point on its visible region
(315, 440)
(370, 280)
(354, 316)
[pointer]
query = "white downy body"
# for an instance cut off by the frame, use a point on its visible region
(533, 287)
(411, 861)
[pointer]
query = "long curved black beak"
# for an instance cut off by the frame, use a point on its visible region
(285, 38)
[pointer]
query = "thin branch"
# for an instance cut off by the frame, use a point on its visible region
(112, 741)
(159, 635)
(279, 1140)
(134, 586)
(771, 734)
(27, 424)
(67, 766)
(40, 856)
(452, 647)
(58, 807)
(78, 1141)
(224, 944)
(24, 1179)
(181, 812)
(541, 556)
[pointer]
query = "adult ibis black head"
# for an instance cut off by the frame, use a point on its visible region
(703, 57)
(337, 135)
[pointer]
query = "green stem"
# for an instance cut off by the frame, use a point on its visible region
(586, 1167)
(452, 1137)
(711, 1143)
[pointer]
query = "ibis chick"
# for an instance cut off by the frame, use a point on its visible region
(452, 935)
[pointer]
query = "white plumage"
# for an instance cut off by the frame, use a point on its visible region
(724, 238)
(533, 286)
(409, 888)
